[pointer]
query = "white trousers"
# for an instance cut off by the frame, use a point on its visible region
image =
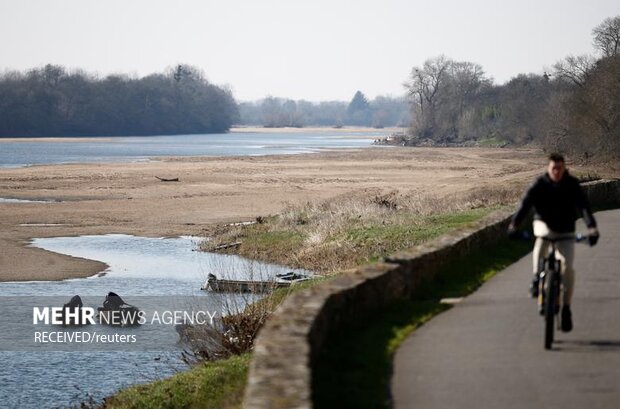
(565, 252)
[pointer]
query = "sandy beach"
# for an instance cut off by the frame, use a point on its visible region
(128, 198)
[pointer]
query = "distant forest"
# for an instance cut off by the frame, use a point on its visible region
(51, 101)
(574, 108)
(383, 111)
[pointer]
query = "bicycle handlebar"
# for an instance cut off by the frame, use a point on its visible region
(578, 238)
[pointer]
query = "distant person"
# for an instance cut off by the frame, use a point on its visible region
(558, 201)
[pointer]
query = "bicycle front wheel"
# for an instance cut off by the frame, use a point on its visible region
(550, 302)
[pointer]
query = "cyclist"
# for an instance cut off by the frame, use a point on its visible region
(558, 201)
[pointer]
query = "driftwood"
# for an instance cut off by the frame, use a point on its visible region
(227, 245)
(167, 180)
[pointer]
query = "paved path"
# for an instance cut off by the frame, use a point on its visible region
(487, 352)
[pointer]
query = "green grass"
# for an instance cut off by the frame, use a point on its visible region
(213, 385)
(492, 142)
(268, 240)
(261, 242)
(354, 369)
(380, 240)
(356, 240)
(411, 230)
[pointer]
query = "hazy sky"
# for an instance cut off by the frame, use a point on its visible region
(314, 50)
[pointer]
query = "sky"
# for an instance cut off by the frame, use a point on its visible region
(314, 50)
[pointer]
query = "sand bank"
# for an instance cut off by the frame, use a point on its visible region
(127, 198)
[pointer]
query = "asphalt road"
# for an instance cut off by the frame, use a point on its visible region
(488, 352)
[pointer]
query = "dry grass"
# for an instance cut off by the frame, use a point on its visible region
(346, 231)
(233, 334)
(324, 237)
(242, 316)
(327, 237)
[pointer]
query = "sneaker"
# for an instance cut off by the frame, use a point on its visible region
(534, 286)
(567, 319)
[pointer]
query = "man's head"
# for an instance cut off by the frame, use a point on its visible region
(557, 167)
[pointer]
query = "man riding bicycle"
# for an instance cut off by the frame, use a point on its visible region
(558, 201)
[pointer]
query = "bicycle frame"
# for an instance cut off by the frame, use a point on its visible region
(550, 291)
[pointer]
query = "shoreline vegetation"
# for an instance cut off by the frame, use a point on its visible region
(341, 233)
(195, 386)
(572, 108)
(54, 101)
(360, 133)
(338, 234)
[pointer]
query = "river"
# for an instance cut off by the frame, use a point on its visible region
(32, 151)
(154, 274)
(150, 273)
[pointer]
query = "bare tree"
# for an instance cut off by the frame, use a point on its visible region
(575, 68)
(271, 112)
(424, 87)
(466, 80)
(444, 94)
(607, 36)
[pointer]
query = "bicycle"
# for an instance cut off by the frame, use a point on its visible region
(550, 286)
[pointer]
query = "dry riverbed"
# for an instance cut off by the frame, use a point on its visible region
(128, 198)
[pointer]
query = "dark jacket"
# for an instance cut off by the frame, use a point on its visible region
(559, 205)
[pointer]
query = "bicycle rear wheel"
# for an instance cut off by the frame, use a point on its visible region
(550, 303)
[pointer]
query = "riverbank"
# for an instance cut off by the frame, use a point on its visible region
(212, 192)
(202, 386)
(360, 130)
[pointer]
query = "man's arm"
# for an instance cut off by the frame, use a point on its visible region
(583, 205)
(526, 204)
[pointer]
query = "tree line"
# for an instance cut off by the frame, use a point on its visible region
(574, 108)
(52, 101)
(380, 112)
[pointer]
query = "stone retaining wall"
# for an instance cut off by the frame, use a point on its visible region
(281, 369)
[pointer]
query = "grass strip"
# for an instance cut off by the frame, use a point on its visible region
(345, 242)
(213, 385)
(355, 368)
(216, 385)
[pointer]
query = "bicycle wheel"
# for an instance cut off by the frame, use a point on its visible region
(550, 302)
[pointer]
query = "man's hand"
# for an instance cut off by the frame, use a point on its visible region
(593, 236)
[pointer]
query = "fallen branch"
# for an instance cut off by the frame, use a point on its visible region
(167, 180)
(228, 245)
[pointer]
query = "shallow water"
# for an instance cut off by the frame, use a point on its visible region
(131, 149)
(10, 200)
(144, 271)
(141, 266)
